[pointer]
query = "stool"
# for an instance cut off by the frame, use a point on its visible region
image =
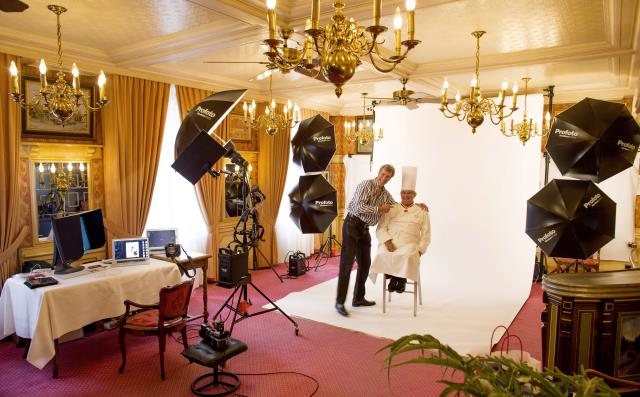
(417, 293)
(204, 354)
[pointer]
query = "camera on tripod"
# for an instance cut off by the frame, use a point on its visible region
(215, 336)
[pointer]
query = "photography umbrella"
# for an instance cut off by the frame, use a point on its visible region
(314, 144)
(594, 140)
(314, 204)
(195, 151)
(570, 218)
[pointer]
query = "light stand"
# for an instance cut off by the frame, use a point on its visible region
(326, 249)
(241, 290)
(542, 268)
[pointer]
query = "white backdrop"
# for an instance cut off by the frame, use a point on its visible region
(477, 272)
(476, 187)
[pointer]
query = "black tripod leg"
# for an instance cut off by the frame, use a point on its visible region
(226, 303)
(277, 307)
(322, 252)
(243, 292)
(268, 262)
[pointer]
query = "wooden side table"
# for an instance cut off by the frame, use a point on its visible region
(198, 260)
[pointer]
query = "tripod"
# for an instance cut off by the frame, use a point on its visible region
(238, 314)
(326, 249)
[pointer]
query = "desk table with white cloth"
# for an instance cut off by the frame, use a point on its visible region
(45, 314)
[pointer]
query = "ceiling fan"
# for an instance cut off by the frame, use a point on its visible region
(405, 97)
(313, 72)
(13, 6)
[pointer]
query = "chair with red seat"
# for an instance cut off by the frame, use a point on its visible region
(165, 317)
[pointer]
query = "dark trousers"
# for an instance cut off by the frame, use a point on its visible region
(356, 243)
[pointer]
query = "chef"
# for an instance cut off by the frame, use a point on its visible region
(403, 235)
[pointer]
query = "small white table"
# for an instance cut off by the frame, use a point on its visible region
(45, 314)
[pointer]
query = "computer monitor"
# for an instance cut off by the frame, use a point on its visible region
(158, 238)
(73, 235)
(130, 250)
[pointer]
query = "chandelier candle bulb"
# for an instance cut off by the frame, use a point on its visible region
(70, 167)
(271, 18)
(397, 25)
(411, 6)
(43, 74)
(76, 78)
(376, 12)
(102, 81)
(315, 14)
(244, 109)
(514, 89)
(15, 79)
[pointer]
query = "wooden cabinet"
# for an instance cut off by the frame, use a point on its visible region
(592, 320)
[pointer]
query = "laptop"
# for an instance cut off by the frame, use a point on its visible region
(130, 251)
(158, 238)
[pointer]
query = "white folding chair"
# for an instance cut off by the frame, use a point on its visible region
(416, 290)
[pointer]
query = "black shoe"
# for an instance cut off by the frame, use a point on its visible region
(393, 284)
(341, 309)
(362, 302)
(401, 285)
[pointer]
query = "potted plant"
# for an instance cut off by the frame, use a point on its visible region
(490, 376)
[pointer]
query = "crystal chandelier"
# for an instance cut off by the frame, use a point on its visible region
(474, 108)
(271, 120)
(527, 128)
(339, 45)
(367, 131)
(59, 100)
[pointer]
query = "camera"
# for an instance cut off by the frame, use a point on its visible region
(215, 336)
(172, 250)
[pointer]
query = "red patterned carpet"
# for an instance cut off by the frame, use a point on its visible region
(343, 362)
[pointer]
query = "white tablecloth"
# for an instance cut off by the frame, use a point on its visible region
(47, 313)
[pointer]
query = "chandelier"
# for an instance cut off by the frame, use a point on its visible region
(474, 108)
(59, 100)
(271, 120)
(527, 128)
(340, 44)
(367, 131)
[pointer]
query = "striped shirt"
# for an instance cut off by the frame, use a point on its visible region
(365, 202)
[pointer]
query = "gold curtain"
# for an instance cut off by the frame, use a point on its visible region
(133, 126)
(210, 190)
(10, 235)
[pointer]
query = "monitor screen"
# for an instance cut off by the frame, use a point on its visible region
(130, 249)
(73, 235)
(158, 238)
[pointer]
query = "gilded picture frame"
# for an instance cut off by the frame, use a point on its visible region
(627, 346)
(238, 130)
(37, 123)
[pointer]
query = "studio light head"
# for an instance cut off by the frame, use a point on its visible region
(257, 196)
(234, 156)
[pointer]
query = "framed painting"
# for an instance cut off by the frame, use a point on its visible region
(73, 199)
(37, 123)
(628, 345)
(238, 131)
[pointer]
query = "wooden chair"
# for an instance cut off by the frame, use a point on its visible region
(567, 265)
(165, 317)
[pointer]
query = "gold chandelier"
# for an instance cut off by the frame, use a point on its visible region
(367, 131)
(527, 128)
(271, 120)
(474, 108)
(340, 44)
(59, 100)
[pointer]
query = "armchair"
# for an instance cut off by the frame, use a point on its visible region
(165, 317)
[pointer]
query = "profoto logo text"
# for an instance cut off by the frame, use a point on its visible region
(566, 133)
(206, 113)
(322, 139)
(593, 201)
(547, 236)
(323, 203)
(628, 146)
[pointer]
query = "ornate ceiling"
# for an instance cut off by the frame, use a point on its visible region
(583, 47)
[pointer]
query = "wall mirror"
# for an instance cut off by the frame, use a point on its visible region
(61, 188)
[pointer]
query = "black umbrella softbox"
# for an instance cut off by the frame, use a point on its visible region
(594, 140)
(570, 219)
(314, 144)
(314, 204)
(194, 150)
